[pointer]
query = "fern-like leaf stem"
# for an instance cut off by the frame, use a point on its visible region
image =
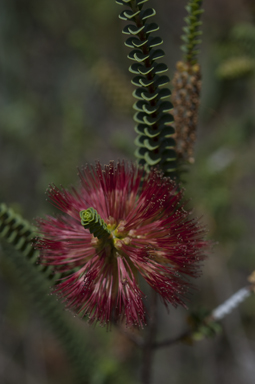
(155, 134)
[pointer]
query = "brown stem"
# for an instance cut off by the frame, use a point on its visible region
(209, 319)
(147, 351)
(170, 342)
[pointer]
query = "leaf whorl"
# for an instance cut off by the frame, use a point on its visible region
(91, 220)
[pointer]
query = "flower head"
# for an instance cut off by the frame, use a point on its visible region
(120, 224)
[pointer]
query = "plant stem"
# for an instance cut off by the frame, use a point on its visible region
(175, 340)
(216, 315)
(148, 351)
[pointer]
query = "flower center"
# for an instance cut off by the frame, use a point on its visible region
(110, 237)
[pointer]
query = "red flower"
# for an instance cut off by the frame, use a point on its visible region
(147, 233)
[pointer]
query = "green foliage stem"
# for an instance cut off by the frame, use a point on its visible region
(17, 237)
(18, 232)
(155, 134)
(192, 31)
(21, 235)
(36, 288)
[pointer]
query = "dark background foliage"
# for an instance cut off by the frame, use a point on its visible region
(65, 99)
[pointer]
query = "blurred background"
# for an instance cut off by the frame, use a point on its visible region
(65, 100)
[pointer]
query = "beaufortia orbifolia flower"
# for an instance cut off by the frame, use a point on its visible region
(120, 224)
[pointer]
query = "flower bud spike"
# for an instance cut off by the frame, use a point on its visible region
(187, 86)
